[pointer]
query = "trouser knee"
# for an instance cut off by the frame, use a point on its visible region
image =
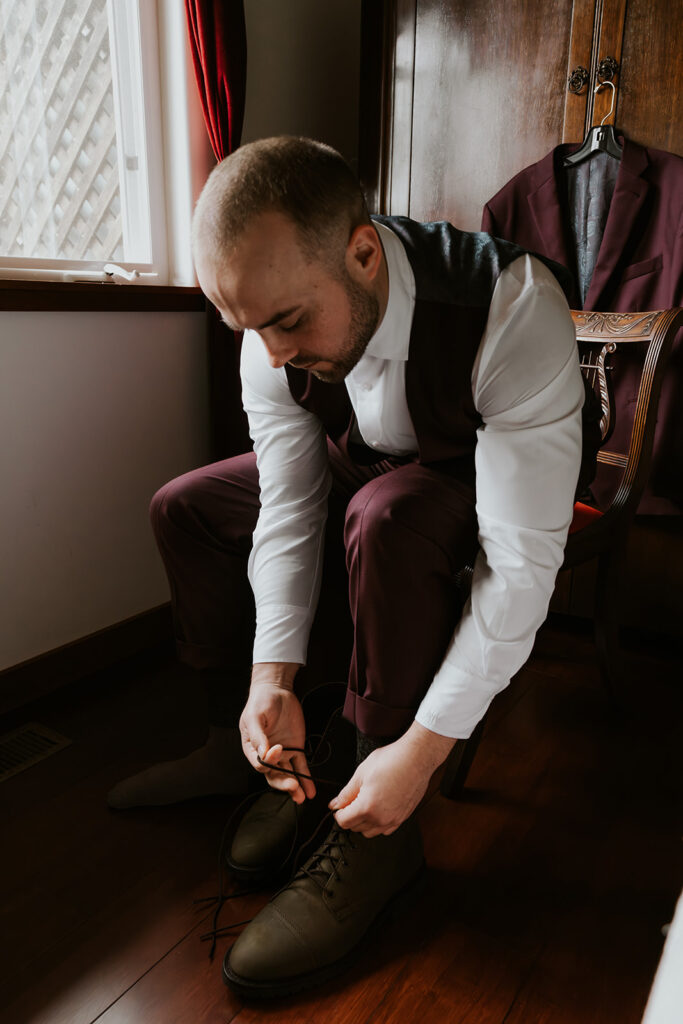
(158, 510)
(216, 505)
(377, 531)
(413, 520)
(171, 506)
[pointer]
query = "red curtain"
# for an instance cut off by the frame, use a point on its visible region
(218, 43)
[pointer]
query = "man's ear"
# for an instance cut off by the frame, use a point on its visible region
(364, 254)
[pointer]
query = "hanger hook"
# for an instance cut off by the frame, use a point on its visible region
(598, 87)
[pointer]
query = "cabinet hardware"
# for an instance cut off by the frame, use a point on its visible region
(577, 79)
(607, 69)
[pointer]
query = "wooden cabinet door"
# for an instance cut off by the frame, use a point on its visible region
(489, 83)
(475, 90)
(651, 74)
(643, 37)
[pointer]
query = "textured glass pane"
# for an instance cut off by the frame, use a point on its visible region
(59, 179)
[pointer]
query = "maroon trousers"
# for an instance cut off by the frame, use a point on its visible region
(397, 535)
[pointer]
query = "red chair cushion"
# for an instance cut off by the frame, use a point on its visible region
(583, 515)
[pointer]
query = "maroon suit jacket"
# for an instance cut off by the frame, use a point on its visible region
(639, 267)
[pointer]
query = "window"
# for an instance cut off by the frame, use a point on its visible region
(82, 147)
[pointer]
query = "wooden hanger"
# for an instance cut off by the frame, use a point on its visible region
(600, 138)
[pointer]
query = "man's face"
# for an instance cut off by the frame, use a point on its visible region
(305, 315)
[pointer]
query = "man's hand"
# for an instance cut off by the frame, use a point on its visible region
(388, 785)
(271, 721)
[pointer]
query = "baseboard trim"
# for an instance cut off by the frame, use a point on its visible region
(148, 632)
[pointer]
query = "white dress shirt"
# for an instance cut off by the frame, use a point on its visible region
(526, 385)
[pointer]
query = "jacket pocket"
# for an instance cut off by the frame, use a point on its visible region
(644, 267)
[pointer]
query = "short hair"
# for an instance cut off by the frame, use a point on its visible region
(306, 180)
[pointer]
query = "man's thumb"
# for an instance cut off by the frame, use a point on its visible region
(346, 795)
(258, 739)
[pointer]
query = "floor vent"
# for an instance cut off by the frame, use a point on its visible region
(24, 747)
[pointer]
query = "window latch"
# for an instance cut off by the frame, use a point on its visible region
(118, 274)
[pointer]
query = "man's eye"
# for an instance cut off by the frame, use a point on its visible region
(291, 327)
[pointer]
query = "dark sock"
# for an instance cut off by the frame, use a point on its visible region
(366, 744)
(219, 766)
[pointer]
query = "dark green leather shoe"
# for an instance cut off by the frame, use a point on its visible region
(273, 830)
(270, 835)
(316, 926)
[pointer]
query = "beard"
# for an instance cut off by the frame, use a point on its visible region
(364, 319)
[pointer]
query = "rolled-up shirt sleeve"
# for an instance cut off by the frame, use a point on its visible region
(285, 563)
(527, 387)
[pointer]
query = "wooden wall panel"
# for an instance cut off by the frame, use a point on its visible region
(650, 85)
(578, 107)
(397, 185)
(609, 44)
(489, 96)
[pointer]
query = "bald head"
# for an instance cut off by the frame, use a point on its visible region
(307, 181)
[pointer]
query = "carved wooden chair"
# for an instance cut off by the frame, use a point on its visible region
(596, 534)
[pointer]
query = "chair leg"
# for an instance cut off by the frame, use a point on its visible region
(459, 763)
(610, 658)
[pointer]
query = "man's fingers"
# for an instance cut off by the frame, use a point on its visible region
(349, 813)
(359, 823)
(258, 737)
(251, 755)
(285, 784)
(298, 788)
(282, 780)
(363, 823)
(254, 742)
(271, 755)
(347, 795)
(300, 764)
(355, 811)
(354, 816)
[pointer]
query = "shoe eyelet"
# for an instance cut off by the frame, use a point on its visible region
(331, 893)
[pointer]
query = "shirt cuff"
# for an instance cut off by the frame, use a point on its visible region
(282, 632)
(455, 703)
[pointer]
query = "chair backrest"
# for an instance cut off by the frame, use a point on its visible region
(602, 336)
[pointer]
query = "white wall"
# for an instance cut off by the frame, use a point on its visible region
(97, 410)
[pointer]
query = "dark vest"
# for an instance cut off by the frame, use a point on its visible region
(455, 276)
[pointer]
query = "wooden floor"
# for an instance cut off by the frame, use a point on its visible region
(550, 880)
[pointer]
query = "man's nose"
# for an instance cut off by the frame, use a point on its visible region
(280, 350)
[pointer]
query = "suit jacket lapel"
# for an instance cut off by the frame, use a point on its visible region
(547, 211)
(630, 193)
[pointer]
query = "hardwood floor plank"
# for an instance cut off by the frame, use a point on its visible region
(90, 934)
(593, 867)
(184, 987)
(549, 881)
(90, 897)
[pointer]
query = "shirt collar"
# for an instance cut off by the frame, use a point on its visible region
(391, 340)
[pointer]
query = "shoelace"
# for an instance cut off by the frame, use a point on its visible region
(333, 850)
(222, 898)
(316, 755)
(318, 779)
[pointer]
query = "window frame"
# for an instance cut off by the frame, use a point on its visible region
(173, 117)
(97, 296)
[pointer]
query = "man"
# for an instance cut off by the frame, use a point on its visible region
(426, 382)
